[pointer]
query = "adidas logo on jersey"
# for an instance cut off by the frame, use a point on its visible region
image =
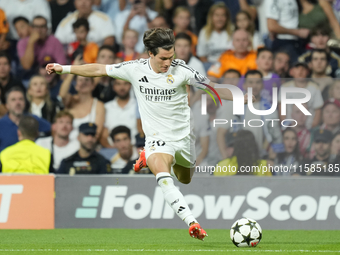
(144, 79)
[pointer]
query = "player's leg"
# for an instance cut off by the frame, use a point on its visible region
(183, 174)
(160, 164)
(185, 158)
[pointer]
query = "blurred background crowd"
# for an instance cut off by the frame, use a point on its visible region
(78, 125)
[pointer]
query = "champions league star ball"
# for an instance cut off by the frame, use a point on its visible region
(245, 232)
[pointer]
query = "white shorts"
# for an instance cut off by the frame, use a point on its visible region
(182, 150)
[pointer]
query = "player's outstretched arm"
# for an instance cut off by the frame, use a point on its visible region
(88, 70)
(227, 95)
(223, 93)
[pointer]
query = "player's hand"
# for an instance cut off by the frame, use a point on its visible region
(246, 98)
(53, 68)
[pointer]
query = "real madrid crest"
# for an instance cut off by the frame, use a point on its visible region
(152, 148)
(170, 79)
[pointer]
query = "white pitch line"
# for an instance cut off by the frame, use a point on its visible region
(159, 250)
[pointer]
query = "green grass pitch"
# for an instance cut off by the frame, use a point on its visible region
(161, 241)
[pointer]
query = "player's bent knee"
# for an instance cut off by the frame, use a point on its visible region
(185, 181)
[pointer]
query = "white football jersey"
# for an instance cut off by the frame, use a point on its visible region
(161, 97)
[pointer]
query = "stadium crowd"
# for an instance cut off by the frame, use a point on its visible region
(79, 125)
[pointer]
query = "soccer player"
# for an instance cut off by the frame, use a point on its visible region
(159, 83)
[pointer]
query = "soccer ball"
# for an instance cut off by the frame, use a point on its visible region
(246, 232)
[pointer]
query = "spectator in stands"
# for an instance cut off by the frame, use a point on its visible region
(318, 40)
(303, 134)
(15, 104)
(268, 134)
(25, 157)
(246, 154)
(112, 7)
(283, 20)
(322, 158)
(241, 5)
(28, 9)
(120, 111)
(198, 9)
(229, 140)
(291, 156)
(34, 49)
(83, 107)
(281, 63)
(39, 99)
(331, 116)
(299, 72)
(183, 51)
(138, 18)
(160, 22)
(86, 160)
(335, 147)
(59, 10)
(315, 12)
(22, 27)
(98, 20)
(216, 36)
(104, 85)
(240, 59)
(4, 28)
(122, 162)
(130, 39)
(213, 154)
(181, 21)
(334, 90)
(231, 77)
(7, 80)
(311, 14)
(201, 128)
(264, 63)
(87, 50)
(244, 21)
(318, 65)
(59, 144)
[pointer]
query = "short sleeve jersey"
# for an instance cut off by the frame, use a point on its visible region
(161, 97)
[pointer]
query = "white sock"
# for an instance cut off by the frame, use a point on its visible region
(174, 197)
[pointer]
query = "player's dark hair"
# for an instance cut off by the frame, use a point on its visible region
(39, 17)
(264, 49)
(119, 130)
(29, 127)
(246, 150)
(20, 18)
(233, 71)
(328, 57)
(296, 152)
(252, 72)
(81, 22)
(14, 89)
(184, 36)
(158, 38)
